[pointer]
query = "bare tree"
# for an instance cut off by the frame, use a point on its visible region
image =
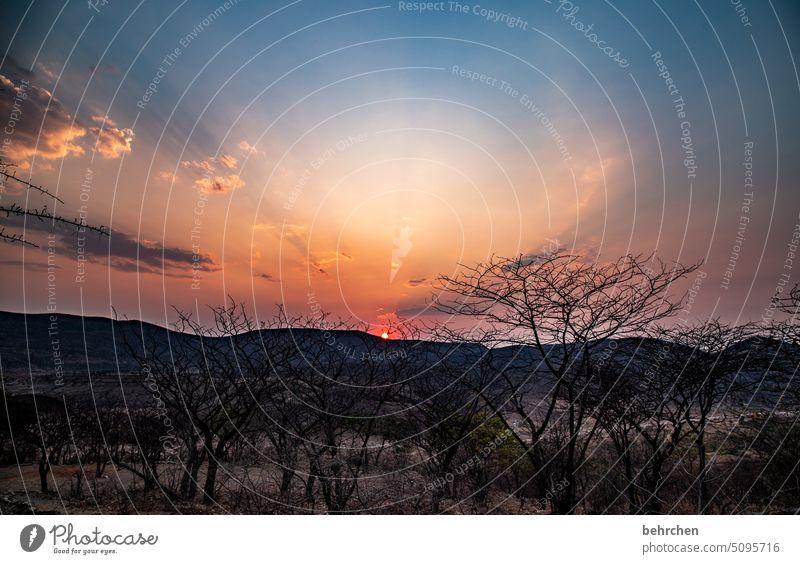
(445, 406)
(709, 363)
(210, 381)
(342, 393)
(445, 411)
(41, 421)
(566, 309)
(782, 362)
(638, 403)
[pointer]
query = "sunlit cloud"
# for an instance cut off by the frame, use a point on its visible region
(592, 180)
(211, 181)
(219, 184)
(323, 260)
(113, 142)
(42, 128)
(104, 120)
(205, 165)
(245, 146)
(295, 237)
(167, 176)
(43, 69)
(228, 161)
(210, 164)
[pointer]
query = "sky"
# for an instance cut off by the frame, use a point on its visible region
(342, 155)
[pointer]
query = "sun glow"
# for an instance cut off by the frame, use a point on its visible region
(384, 335)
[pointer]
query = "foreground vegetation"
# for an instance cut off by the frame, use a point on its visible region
(576, 392)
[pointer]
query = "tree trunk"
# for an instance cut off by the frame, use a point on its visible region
(310, 490)
(192, 492)
(211, 480)
(189, 478)
(99, 466)
(631, 488)
(78, 490)
(44, 468)
(436, 499)
(702, 475)
(653, 503)
(564, 502)
(150, 477)
(287, 475)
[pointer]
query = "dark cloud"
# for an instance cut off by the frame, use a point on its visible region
(28, 265)
(417, 282)
(268, 277)
(414, 310)
(539, 257)
(12, 69)
(124, 253)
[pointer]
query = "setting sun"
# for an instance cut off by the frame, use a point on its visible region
(384, 335)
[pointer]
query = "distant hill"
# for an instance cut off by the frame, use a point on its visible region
(32, 343)
(35, 344)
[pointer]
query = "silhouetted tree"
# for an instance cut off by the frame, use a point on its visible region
(566, 308)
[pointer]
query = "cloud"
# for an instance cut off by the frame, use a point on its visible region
(549, 249)
(109, 68)
(210, 164)
(210, 181)
(322, 260)
(268, 277)
(30, 266)
(113, 142)
(591, 179)
(415, 310)
(201, 166)
(15, 71)
(296, 237)
(127, 254)
(42, 126)
(228, 161)
(245, 146)
(104, 120)
(290, 233)
(531, 259)
(167, 176)
(46, 71)
(417, 283)
(44, 129)
(219, 184)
